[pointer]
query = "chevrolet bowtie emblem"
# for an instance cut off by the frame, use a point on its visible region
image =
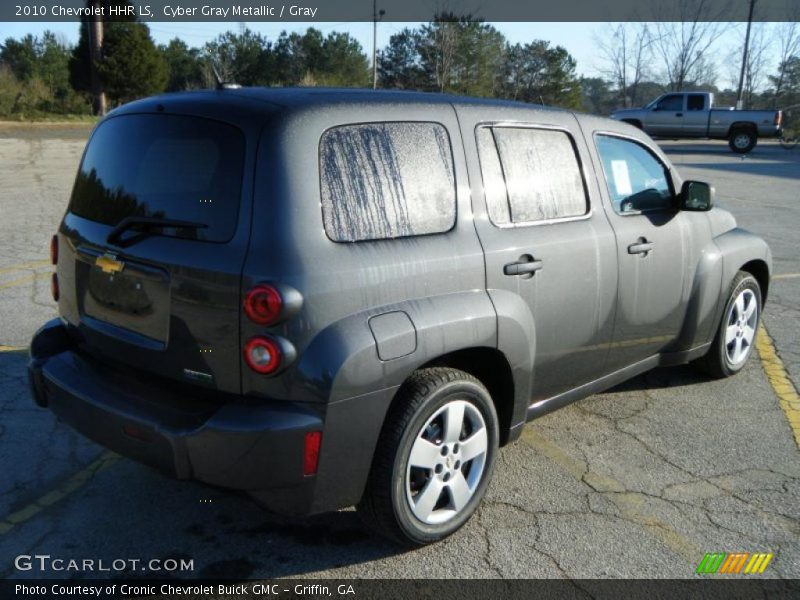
(108, 263)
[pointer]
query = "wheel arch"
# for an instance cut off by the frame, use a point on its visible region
(742, 251)
(742, 126)
(342, 369)
(491, 367)
(733, 251)
(760, 270)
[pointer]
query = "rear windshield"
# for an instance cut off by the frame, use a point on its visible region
(163, 166)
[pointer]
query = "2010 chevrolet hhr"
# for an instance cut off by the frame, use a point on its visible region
(329, 298)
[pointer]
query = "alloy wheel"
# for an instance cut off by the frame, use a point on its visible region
(446, 462)
(741, 141)
(740, 332)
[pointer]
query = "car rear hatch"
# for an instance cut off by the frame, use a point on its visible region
(152, 245)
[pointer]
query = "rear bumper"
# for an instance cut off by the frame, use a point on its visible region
(249, 445)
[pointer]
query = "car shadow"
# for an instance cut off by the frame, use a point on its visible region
(783, 169)
(229, 536)
(266, 545)
(226, 533)
(763, 150)
(767, 160)
(662, 378)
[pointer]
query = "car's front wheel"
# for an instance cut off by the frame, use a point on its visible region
(434, 458)
(736, 335)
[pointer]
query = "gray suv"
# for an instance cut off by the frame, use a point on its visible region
(328, 298)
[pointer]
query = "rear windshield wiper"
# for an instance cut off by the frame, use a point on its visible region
(129, 222)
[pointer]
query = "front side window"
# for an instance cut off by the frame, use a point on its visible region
(386, 180)
(673, 102)
(637, 180)
(530, 175)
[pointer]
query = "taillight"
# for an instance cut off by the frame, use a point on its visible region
(263, 304)
(313, 442)
(263, 355)
(54, 287)
(54, 250)
(778, 118)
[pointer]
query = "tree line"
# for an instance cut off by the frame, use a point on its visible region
(42, 75)
(46, 75)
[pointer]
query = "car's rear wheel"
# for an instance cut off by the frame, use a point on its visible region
(434, 458)
(788, 141)
(742, 141)
(736, 335)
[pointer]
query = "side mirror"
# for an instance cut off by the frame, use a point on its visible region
(696, 196)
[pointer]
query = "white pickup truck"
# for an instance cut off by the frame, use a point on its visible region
(679, 115)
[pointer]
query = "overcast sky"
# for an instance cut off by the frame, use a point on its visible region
(577, 38)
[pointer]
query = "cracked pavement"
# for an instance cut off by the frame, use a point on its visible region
(640, 481)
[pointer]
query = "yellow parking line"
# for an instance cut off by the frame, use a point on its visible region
(23, 280)
(70, 486)
(36, 264)
(780, 381)
(786, 276)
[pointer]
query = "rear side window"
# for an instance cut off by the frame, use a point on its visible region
(386, 180)
(530, 175)
(163, 166)
(696, 102)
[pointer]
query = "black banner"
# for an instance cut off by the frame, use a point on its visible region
(415, 589)
(397, 11)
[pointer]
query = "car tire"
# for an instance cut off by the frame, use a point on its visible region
(736, 335)
(742, 141)
(425, 499)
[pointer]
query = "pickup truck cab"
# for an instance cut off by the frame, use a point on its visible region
(680, 115)
(327, 298)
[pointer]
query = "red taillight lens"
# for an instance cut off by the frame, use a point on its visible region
(54, 250)
(54, 287)
(311, 452)
(263, 355)
(136, 433)
(263, 304)
(778, 118)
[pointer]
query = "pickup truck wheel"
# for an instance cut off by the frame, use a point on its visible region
(742, 141)
(434, 458)
(736, 336)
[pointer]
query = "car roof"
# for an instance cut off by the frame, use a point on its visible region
(320, 95)
(254, 98)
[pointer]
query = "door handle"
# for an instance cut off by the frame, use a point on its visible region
(523, 267)
(678, 114)
(640, 247)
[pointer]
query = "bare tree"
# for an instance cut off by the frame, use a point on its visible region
(787, 36)
(626, 49)
(758, 56)
(446, 36)
(684, 34)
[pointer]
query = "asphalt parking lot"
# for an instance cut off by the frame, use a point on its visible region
(640, 481)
